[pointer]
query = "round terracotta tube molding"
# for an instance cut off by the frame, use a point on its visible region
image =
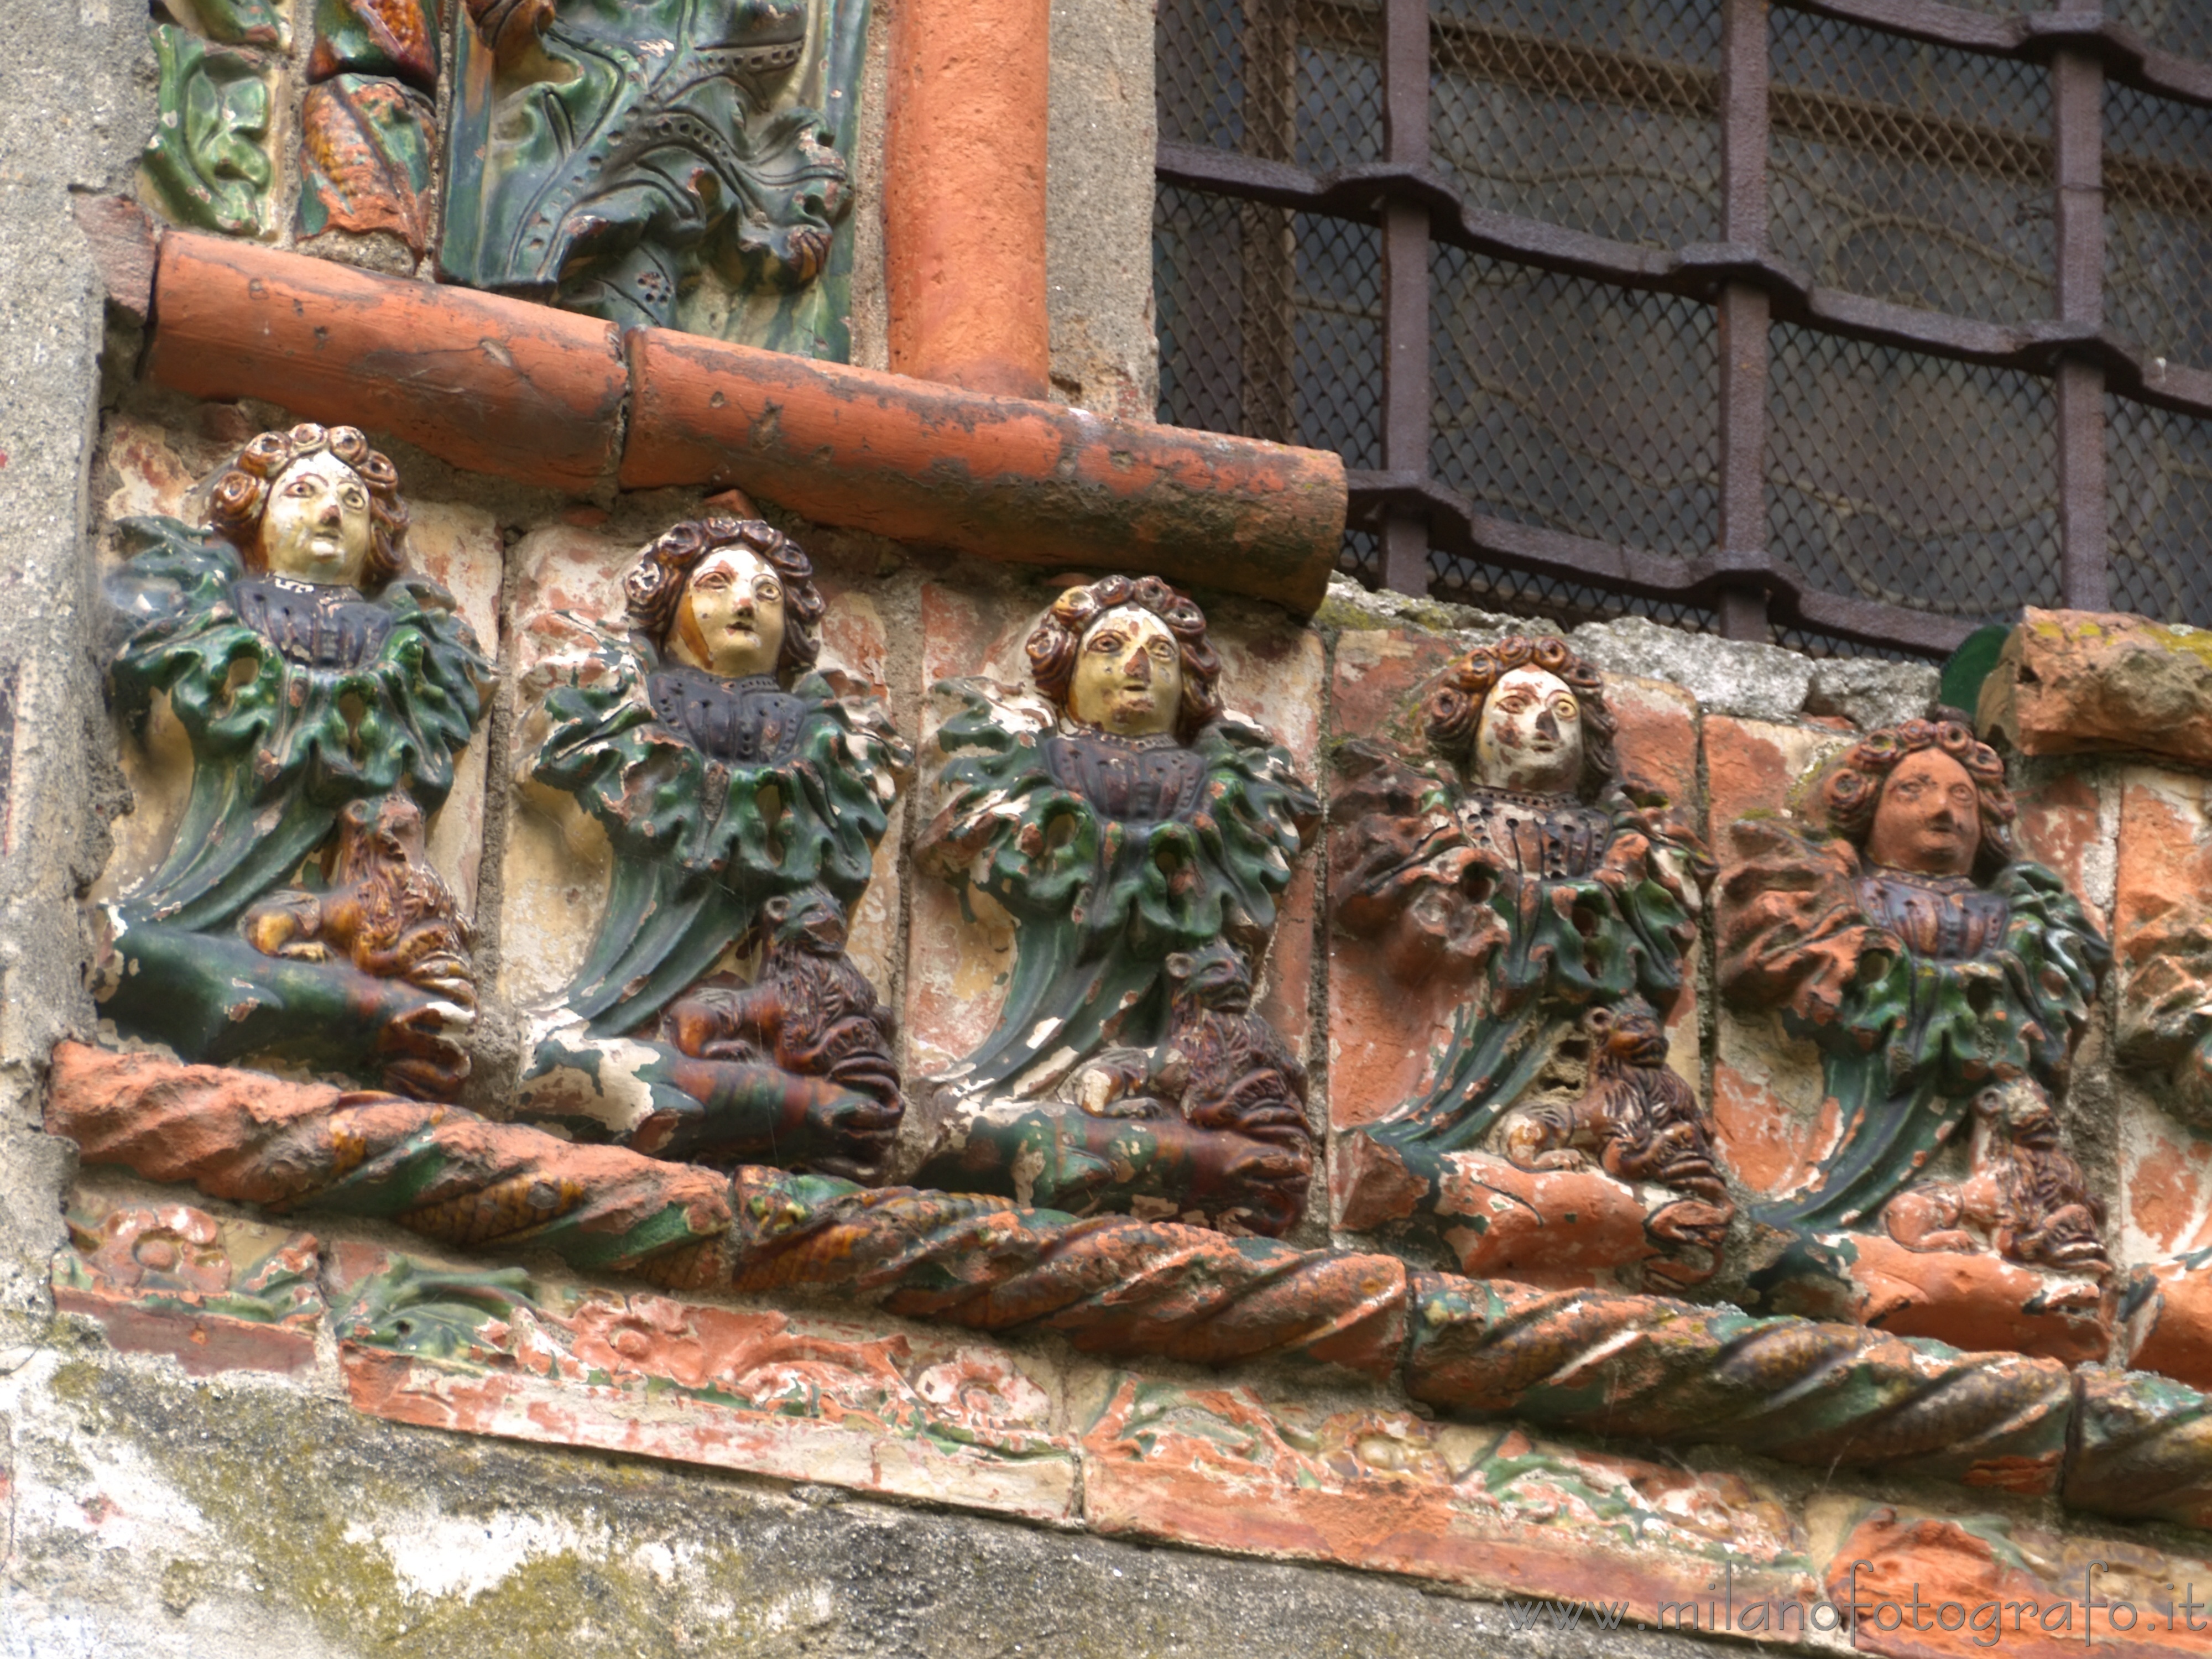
(964, 137)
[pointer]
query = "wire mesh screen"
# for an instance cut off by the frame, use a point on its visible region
(2181, 26)
(1811, 642)
(2158, 223)
(1910, 479)
(1339, 83)
(1566, 403)
(1911, 172)
(1601, 117)
(1279, 82)
(1270, 323)
(2158, 509)
(1361, 557)
(1463, 580)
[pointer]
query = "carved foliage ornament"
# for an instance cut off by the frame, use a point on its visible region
(608, 156)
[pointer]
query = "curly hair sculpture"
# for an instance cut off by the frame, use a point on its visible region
(1054, 644)
(654, 586)
(1453, 712)
(242, 494)
(1851, 793)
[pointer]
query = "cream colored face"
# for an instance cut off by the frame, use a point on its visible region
(1930, 817)
(731, 621)
(316, 526)
(1531, 734)
(1128, 674)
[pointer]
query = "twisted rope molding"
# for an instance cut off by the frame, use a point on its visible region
(2110, 1443)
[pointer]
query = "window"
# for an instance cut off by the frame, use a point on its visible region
(1852, 328)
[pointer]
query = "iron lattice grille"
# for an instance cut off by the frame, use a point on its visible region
(1600, 119)
(1911, 172)
(2158, 239)
(2183, 27)
(1910, 480)
(1849, 328)
(1270, 323)
(1573, 404)
(2158, 470)
(1275, 80)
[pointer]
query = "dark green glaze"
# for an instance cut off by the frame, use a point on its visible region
(1098, 903)
(208, 164)
(646, 143)
(278, 747)
(1914, 1040)
(378, 37)
(245, 22)
(697, 854)
(1569, 943)
(280, 750)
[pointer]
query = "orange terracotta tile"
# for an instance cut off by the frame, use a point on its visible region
(2060, 825)
(1004, 478)
(1930, 1588)
(489, 383)
(1488, 1507)
(168, 1279)
(817, 1399)
(1771, 1121)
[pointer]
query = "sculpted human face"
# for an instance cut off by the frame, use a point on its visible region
(316, 527)
(1930, 817)
(731, 621)
(1128, 674)
(1531, 734)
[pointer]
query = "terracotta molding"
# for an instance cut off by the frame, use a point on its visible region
(964, 145)
(489, 384)
(1000, 477)
(506, 386)
(2118, 1444)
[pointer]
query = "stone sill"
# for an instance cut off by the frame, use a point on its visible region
(500, 386)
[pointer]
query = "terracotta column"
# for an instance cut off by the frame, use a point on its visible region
(963, 196)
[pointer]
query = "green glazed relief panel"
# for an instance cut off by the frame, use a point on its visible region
(236, 22)
(682, 163)
(208, 164)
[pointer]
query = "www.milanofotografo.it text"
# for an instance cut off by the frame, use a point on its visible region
(1985, 1624)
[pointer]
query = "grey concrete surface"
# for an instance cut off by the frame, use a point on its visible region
(1098, 203)
(75, 103)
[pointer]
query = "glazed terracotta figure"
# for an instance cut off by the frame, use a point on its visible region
(1945, 979)
(1513, 860)
(1139, 835)
(324, 693)
(743, 793)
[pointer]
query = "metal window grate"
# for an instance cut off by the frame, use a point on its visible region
(1277, 81)
(2158, 213)
(1270, 323)
(1811, 642)
(1361, 557)
(1912, 480)
(1515, 593)
(1575, 405)
(1909, 172)
(1784, 307)
(2158, 472)
(1601, 117)
(2181, 26)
